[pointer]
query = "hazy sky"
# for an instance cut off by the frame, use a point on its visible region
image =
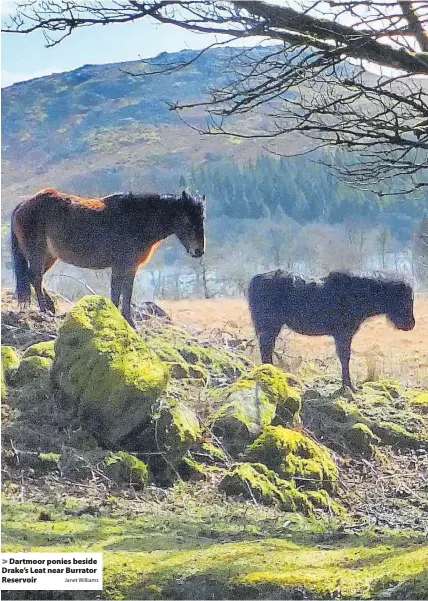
(25, 56)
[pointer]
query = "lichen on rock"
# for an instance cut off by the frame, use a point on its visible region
(292, 455)
(105, 371)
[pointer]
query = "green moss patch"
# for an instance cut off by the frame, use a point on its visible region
(419, 402)
(173, 429)
(362, 439)
(9, 358)
(384, 407)
(292, 455)
(9, 363)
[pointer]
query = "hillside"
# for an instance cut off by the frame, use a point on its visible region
(98, 122)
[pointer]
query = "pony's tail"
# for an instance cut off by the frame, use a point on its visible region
(20, 268)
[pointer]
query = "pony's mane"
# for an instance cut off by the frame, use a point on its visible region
(380, 279)
(145, 198)
(52, 191)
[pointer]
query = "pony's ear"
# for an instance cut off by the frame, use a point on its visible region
(204, 198)
(184, 195)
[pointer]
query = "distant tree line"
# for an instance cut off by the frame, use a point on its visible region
(303, 190)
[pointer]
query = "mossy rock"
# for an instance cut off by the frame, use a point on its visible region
(362, 439)
(9, 364)
(41, 349)
(256, 481)
(191, 469)
(39, 463)
(419, 402)
(33, 369)
(252, 403)
(105, 371)
(187, 358)
(292, 455)
(123, 468)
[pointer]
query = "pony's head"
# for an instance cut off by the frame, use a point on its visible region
(399, 297)
(189, 223)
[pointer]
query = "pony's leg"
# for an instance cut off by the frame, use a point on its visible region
(116, 284)
(343, 349)
(267, 338)
(128, 284)
(50, 305)
(36, 269)
(38, 287)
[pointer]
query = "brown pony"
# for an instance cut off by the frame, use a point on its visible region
(120, 231)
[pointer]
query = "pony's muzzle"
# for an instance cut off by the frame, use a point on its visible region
(197, 253)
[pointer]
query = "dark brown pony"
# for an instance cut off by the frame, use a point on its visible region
(336, 306)
(120, 231)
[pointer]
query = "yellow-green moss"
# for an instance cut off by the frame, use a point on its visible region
(383, 407)
(177, 427)
(390, 388)
(256, 481)
(41, 349)
(31, 369)
(104, 370)
(50, 457)
(282, 389)
(122, 467)
(214, 452)
(348, 573)
(292, 455)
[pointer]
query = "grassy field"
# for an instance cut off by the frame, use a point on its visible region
(379, 350)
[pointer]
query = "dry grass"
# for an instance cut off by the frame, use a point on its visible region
(379, 350)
